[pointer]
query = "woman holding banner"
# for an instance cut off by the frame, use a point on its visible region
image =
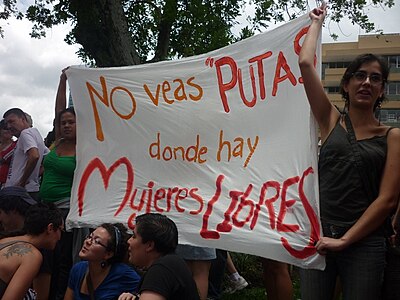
(59, 167)
(359, 174)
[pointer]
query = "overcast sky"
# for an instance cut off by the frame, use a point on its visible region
(30, 68)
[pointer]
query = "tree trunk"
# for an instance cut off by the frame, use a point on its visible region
(102, 30)
(164, 30)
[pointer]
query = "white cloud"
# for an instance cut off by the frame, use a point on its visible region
(30, 70)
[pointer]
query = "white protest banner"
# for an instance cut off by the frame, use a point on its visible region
(223, 143)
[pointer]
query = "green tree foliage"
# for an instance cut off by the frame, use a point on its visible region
(127, 32)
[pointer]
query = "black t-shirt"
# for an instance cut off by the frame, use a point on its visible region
(170, 277)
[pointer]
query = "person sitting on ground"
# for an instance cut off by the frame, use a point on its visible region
(14, 203)
(102, 275)
(152, 247)
(20, 256)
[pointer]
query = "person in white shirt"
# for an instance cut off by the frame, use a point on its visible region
(28, 154)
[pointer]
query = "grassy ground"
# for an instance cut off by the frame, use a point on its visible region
(254, 293)
(258, 293)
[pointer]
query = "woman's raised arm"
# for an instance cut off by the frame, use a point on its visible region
(325, 113)
(61, 102)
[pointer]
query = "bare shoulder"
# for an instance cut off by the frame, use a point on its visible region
(393, 143)
(21, 250)
(393, 134)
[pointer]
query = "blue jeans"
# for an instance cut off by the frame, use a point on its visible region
(360, 269)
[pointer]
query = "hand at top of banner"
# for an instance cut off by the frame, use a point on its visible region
(63, 75)
(318, 14)
(326, 244)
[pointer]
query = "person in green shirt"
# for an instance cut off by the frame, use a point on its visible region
(59, 166)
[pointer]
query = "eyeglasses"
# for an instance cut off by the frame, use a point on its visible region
(95, 240)
(374, 78)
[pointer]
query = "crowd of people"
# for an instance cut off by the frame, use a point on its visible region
(359, 175)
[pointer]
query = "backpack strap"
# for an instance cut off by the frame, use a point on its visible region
(357, 157)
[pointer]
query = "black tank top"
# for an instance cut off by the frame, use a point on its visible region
(342, 195)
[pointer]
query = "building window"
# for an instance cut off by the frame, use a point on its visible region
(332, 89)
(333, 65)
(394, 61)
(324, 67)
(390, 115)
(338, 64)
(393, 88)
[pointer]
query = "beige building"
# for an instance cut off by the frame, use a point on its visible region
(336, 57)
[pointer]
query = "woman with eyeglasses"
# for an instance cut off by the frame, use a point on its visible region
(102, 275)
(359, 175)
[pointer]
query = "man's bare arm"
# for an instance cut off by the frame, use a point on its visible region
(33, 158)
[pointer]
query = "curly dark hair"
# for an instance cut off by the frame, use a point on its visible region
(39, 216)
